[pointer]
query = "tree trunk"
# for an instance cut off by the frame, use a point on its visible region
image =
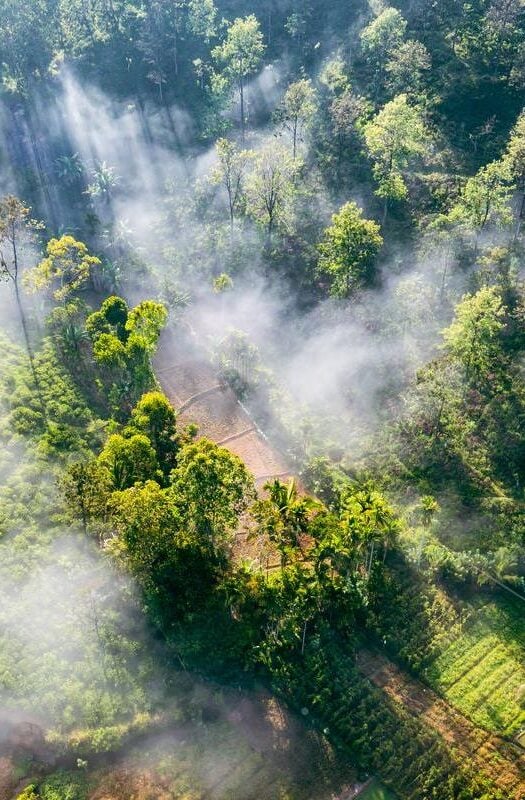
(385, 212)
(241, 86)
(29, 348)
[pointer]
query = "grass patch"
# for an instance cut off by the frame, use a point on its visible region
(481, 669)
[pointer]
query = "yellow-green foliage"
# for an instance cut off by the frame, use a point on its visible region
(67, 266)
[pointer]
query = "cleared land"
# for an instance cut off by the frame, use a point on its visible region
(192, 385)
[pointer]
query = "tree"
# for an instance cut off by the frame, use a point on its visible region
(128, 460)
(348, 249)
(395, 136)
(296, 110)
(67, 263)
(148, 525)
(270, 186)
(514, 164)
(145, 322)
(202, 18)
(381, 38)
(473, 338)
(155, 542)
(230, 172)
(485, 198)
(155, 417)
(284, 517)
(369, 520)
(124, 341)
(85, 487)
(406, 66)
(241, 53)
(16, 231)
(345, 110)
(211, 488)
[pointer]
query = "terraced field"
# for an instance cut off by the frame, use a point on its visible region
(481, 669)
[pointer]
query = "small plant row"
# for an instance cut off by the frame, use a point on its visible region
(380, 736)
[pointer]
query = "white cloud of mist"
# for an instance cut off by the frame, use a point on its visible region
(336, 361)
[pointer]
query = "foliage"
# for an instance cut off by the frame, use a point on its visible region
(396, 135)
(67, 263)
(348, 250)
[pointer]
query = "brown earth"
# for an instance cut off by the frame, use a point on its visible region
(500, 760)
(193, 387)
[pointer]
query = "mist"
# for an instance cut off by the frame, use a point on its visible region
(336, 362)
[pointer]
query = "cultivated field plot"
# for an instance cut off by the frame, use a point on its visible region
(481, 670)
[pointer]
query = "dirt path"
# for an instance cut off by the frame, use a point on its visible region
(192, 385)
(502, 761)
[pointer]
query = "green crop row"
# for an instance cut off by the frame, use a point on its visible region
(379, 734)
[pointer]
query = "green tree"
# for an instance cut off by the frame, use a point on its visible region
(148, 526)
(67, 266)
(297, 109)
(17, 231)
(284, 517)
(202, 18)
(406, 66)
(85, 488)
(124, 341)
(271, 187)
(474, 337)
(514, 165)
(230, 173)
(211, 488)
(485, 199)
(241, 53)
(380, 39)
(370, 521)
(155, 417)
(394, 137)
(347, 252)
(128, 460)
(145, 323)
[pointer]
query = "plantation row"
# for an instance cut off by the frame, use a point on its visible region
(482, 670)
(380, 735)
(472, 653)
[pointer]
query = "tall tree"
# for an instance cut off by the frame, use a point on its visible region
(67, 266)
(155, 417)
(211, 488)
(474, 336)
(380, 39)
(297, 109)
(230, 173)
(241, 53)
(348, 249)
(514, 161)
(270, 187)
(394, 137)
(16, 232)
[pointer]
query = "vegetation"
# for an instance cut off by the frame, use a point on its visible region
(321, 207)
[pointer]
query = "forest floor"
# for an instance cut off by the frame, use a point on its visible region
(499, 759)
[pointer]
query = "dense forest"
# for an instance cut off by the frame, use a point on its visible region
(262, 399)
